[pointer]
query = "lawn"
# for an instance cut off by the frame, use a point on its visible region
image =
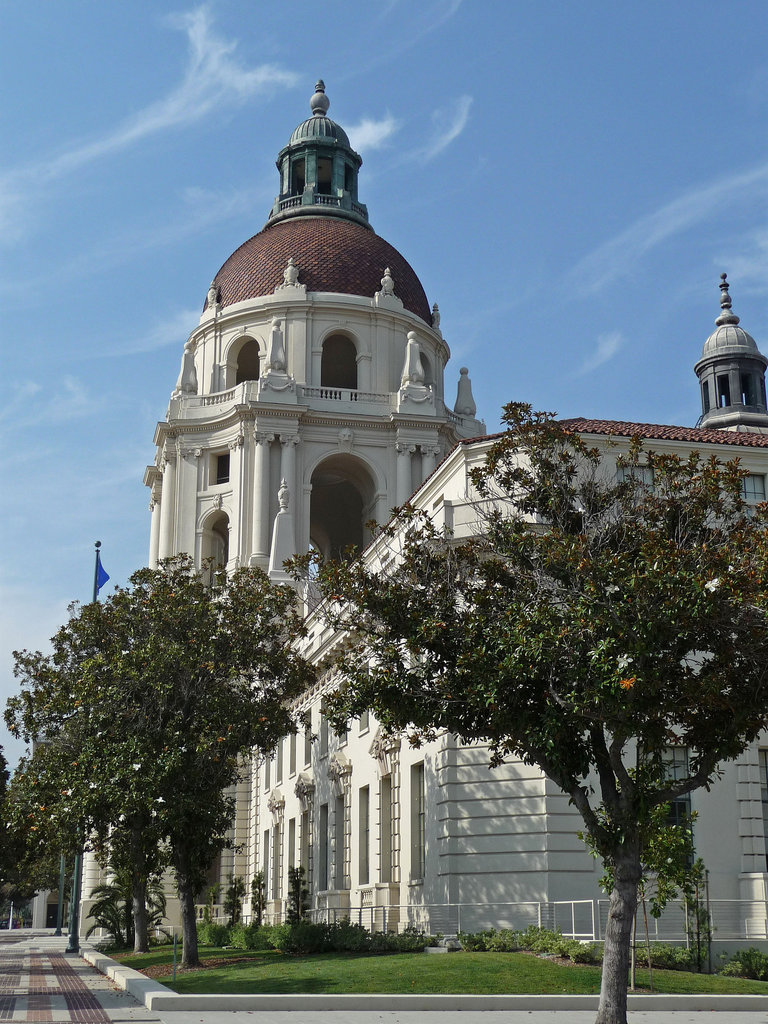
(245, 971)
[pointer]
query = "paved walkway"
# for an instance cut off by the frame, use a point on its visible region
(40, 982)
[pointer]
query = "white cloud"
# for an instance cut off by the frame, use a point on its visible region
(370, 134)
(68, 400)
(448, 123)
(615, 258)
(607, 347)
(172, 330)
(213, 79)
(746, 262)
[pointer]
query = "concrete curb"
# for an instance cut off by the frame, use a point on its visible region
(157, 997)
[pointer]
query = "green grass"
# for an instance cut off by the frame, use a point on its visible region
(473, 973)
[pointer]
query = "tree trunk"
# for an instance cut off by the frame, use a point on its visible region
(139, 908)
(618, 935)
(189, 956)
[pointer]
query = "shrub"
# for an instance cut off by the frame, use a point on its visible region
(211, 934)
(300, 937)
(410, 940)
(474, 942)
(747, 963)
(503, 941)
(345, 937)
(585, 953)
(670, 958)
(250, 936)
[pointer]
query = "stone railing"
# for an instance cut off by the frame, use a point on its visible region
(345, 395)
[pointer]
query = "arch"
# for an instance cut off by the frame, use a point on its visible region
(251, 350)
(428, 365)
(338, 362)
(215, 540)
(247, 362)
(342, 501)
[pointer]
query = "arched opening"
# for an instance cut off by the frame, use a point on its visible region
(248, 362)
(297, 177)
(429, 376)
(338, 365)
(341, 503)
(324, 169)
(215, 546)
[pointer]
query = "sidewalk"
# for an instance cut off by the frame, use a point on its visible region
(39, 982)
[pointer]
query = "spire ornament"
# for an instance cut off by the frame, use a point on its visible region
(319, 103)
(726, 316)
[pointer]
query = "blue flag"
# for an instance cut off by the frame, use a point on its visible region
(101, 574)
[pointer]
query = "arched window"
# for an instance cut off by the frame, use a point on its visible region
(338, 365)
(215, 546)
(341, 503)
(248, 362)
(297, 177)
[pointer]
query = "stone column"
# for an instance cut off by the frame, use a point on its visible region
(186, 509)
(168, 502)
(288, 461)
(260, 499)
(154, 533)
(236, 468)
(429, 454)
(404, 482)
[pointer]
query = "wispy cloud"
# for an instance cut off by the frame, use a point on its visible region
(747, 262)
(25, 407)
(447, 124)
(370, 134)
(617, 256)
(606, 348)
(171, 330)
(214, 78)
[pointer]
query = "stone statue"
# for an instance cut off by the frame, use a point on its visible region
(436, 317)
(413, 368)
(276, 348)
(387, 283)
(290, 274)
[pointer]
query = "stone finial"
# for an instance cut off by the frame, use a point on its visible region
(436, 317)
(213, 295)
(284, 495)
(387, 283)
(290, 274)
(187, 382)
(413, 368)
(465, 402)
(276, 348)
(726, 316)
(319, 103)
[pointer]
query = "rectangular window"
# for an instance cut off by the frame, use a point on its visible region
(723, 391)
(265, 860)
(753, 488)
(279, 763)
(292, 754)
(365, 721)
(364, 833)
(267, 773)
(323, 734)
(763, 755)
(418, 822)
(385, 828)
(222, 469)
(342, 736)
(643, 474)
(277, 867)
(304, 852)
(322, 836)
(339, 844)
(705, 395)
(308, 740)
(292, 843)
(675, 760)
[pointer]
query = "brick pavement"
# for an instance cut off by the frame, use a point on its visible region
(40, 982)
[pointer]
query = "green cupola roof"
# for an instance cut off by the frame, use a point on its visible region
(319, 169)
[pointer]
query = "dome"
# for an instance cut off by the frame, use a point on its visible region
(332, 255)
(319, 127)
(729, 340)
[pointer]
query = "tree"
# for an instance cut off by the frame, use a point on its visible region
(233, 899)
(594, 622)
(298, 894)
(149, 705)
(113, 906)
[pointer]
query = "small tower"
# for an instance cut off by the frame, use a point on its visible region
(732, 375)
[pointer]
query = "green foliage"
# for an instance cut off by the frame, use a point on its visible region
(298, 894)
(209, 933)
(211, 896)
(537, 940)
(475, 942)
(667, 957)
(258, 897)
(158, 692)
(233, 899)
(747, 963)
(251, 936)
(112, 909)
(301, 937)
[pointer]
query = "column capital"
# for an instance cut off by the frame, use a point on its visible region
(289, 439)
(405, 449)
(260, 437)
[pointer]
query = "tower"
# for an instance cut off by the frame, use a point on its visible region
(310, 399)
(732, 375)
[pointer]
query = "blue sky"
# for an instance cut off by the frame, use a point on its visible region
(568, 180)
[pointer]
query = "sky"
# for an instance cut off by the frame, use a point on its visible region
(568, 181)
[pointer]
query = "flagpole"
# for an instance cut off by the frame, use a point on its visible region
(74, 937)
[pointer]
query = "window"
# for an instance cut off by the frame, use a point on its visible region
(342, 735)
(642, 474)
(723, 391)
(418, 822)
(748, 392)
(339, 844)
(304, 852)
(322, 867)
(267, 773)
(277, 872)
(763, 755)
(705, 395)
(365, 721)
(385, 828)
(247, 362)
(753, 488)
(279, 763)
(364, 833)
(265, 860)
(675, 761)
(292, 754)
(323, 734)
(222, 469)
(292, 843)
(338, 363)
(308, 740)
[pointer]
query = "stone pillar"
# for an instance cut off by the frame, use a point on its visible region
(404, 482)
(186, 487)
(288, 460)
(429, 454)
(236, 469)
(154, 533)
(168, 502)
(260, 499)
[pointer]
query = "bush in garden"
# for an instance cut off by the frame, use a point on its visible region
(747, 963)
(505, 940)
(251, 936)
(666, 957)
(211, 934)
(345, 937)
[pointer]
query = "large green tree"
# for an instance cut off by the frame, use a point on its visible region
(148, 706)
(595, 620)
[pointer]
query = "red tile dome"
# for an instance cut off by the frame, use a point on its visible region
(332, 255)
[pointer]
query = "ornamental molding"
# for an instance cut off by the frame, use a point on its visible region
(339, 768)
(385, 749)
(276, 802)
(304, 789)
(346, 439)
